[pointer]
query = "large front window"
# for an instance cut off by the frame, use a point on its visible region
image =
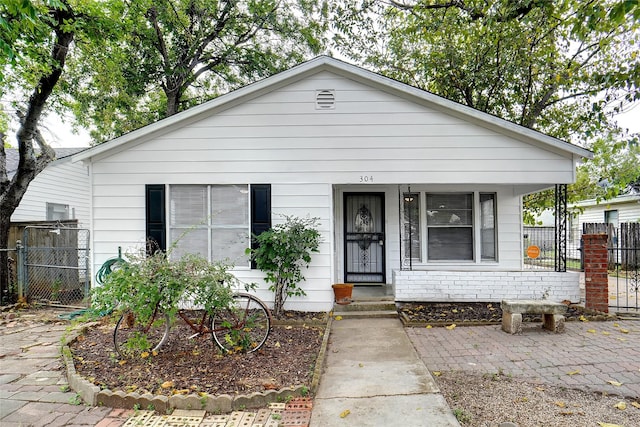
(457, 227)
(210, 220)
(449, 227)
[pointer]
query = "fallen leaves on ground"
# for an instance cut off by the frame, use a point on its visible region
(553, 406)
(287, 359)
(620, 405)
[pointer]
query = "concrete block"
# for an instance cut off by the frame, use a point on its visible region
(219, 404)
(111, 399)
(554, 322)
(190, 401)
(157, 402)
(512, 323)
(130, 400)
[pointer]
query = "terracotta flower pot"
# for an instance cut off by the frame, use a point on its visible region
(342, 292)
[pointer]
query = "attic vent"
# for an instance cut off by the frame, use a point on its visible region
(325, 100)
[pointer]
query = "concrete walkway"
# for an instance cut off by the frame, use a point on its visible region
(373, 377)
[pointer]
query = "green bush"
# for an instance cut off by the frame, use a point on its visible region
(282, 252)
(145, 282)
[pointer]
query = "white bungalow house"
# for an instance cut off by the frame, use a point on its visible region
(59, 192)
(413, 191)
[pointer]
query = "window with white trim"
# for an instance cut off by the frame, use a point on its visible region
(57, 212)
(449, 226)
(210, 220)
(453, 227)
(488, 226)
(611, 217)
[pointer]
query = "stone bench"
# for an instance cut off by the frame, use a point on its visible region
(552, 312)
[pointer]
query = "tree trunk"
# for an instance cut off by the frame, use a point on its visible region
(31, 162)
(5, 296)
(173, 98)
(173, 91)
(278, 303)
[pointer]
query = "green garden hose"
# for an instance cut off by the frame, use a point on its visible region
(109, 266)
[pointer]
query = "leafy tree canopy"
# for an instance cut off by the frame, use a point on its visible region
(35, 39)
(561, 67)
(165, 56)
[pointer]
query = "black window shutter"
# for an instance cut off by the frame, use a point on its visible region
(260, 211)
(156, 218)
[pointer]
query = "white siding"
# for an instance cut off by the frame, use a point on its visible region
(281, 138)
(61, 182)
(628, 211)
(119, 221)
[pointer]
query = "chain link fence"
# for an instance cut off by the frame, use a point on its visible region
(544, 240)
(55, 265)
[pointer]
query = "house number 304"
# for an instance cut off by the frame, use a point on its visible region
(366, 178)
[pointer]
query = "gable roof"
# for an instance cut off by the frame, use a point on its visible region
(326, 63)
(13, 157)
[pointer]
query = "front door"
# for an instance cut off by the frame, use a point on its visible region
(364, 237)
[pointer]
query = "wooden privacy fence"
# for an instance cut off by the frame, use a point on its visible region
(630, 245)
(623, 243)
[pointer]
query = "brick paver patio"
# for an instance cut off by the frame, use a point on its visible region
(587, 356)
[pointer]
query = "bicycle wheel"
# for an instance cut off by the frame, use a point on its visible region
(243, 326)
(132, 338)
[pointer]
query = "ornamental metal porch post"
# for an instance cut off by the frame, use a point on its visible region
(561, 228)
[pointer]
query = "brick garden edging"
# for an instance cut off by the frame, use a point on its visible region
(93, 395)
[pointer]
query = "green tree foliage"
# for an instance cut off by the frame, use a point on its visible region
(165, 56)
(282, 252)
(561, 67)
(35, 40)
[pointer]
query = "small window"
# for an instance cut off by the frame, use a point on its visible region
(57, 212)
(611, 217)
(487, 227)
(411, 221)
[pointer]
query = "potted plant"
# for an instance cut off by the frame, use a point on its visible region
(342, 293)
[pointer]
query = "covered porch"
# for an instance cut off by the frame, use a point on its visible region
(447, 243)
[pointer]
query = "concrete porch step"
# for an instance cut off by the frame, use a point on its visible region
(374, 314)
(368, 305)
(384, 307)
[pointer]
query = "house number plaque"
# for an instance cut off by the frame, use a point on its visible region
(366, 178)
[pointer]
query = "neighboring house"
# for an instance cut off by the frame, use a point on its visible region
(412, 190)
(59, 192)
(615, 211)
